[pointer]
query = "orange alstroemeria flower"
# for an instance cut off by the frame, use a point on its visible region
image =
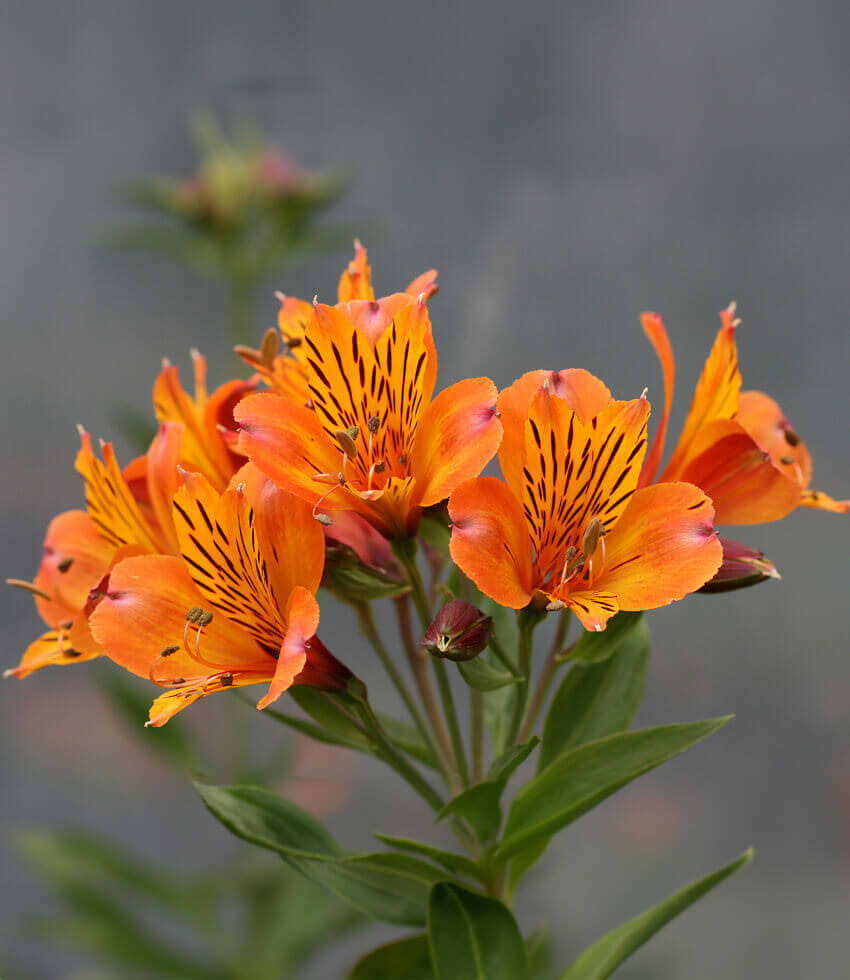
(736, 446)
(371, 439)
(289, 371)
(568, 525)
(128, 511)
(236, 607)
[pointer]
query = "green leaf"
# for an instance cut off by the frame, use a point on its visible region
(595, 647)
(338, 714)
(601, 959)
(456, 863)
(597, 697)
(583, 777)
(480, 803)
(498, 708)
(472, 937)
(385, 886)
(484, 675)
(131, 702)
(404, 959)
(68, 858)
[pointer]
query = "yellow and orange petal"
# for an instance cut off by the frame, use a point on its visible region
(653, 327)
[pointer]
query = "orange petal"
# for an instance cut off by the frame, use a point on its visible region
(653, 327)
(144, 611)
(490, 542)
(663, 547)
(370, 546)
(822, 501)
(287, 442)
(745, 485)
(302, 617)
(109, 501)
(762, 418)
(424, 286)
(593, 608)
(513, 405)
(51, 649)
(292, 320)
(163, 478)
(715, 397)
(72, 536)
(583, 392)
(457, 437)
(167, 705)
(356, 279)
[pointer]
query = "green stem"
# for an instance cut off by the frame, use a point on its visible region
(446, 697)
(370, 631)
(476, 724)
(527, 620)
(549, 668)
(422, 679)
(502, 656)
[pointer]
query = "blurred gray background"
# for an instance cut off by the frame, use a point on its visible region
(566, 167)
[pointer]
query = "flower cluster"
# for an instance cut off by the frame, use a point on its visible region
(197, 565)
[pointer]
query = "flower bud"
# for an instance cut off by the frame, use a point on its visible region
(459, 631)
(742, 566)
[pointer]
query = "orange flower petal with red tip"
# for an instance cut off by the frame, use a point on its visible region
(490, 542)
(457, 437)
(715, 397)
(663, 547)
(302, 617)
(822, 501)
(356, 279)
(144, 611)
(292, 320)
(70, 535)
(583, 392)
(745, 485)
(424, 286)
(653, 327)
(373, 317)
(287, 442)
(109, 501)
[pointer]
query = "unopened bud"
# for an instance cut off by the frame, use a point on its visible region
(64, 565)
(742, 566)
(591, 537)
(459, 631)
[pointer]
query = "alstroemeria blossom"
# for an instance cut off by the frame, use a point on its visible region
(128, 510)
(371, 438)
(236, 607)
(568, 523)
(288, 372)
(737, 446)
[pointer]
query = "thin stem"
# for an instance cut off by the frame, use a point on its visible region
(476, 725)
(446, 697)
(422, 678)
(549, 668)
(502, 656)
(526, 632)
(370, 631)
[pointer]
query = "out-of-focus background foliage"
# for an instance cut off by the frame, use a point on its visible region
(566, 167)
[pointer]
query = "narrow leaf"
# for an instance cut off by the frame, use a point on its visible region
(597, 698)
(482, 675)
(581, 778)
(601, 959)
(508, 762)
(472, 937)
(456, 863)
(595, 647)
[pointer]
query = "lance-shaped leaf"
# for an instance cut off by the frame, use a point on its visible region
(601, 959)
(472, 937)
(404, 959)
(593, 647)
(580, 779)
(455, 863)
(483, 675)
(385, 886)
(597, 697)
(480, 803)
